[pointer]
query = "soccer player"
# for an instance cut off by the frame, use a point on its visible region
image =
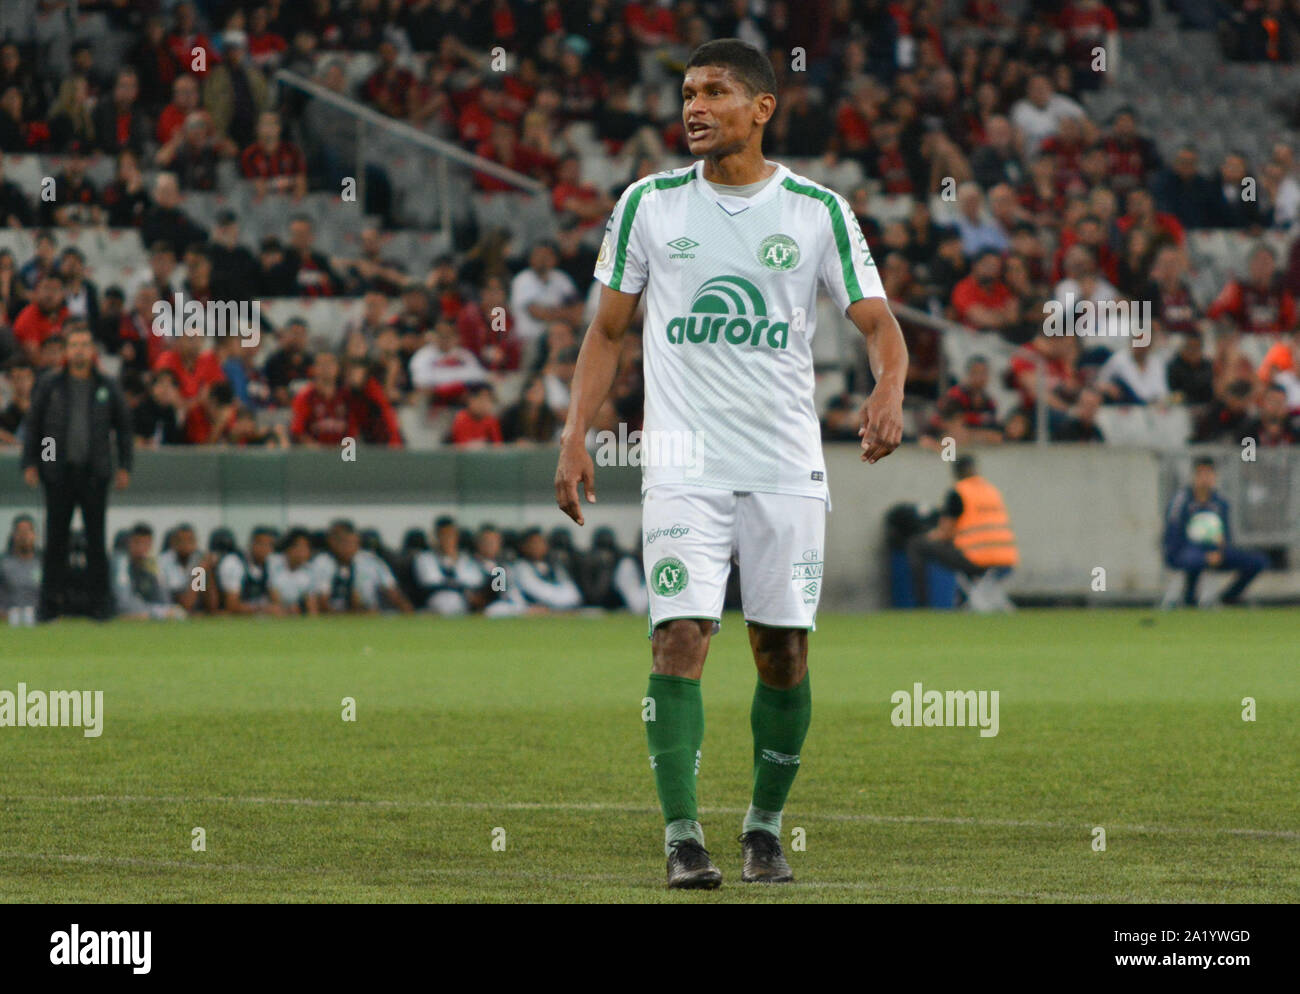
(245, 583)
(446, 573)
(728, 254)
(348, 578)
(291, 575)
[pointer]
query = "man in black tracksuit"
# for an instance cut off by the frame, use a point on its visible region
(67, 448)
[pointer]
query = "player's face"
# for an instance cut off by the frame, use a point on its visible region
(298, 553)
(261, 547)
(24, 537)
(489, 544)
(185, 543)
(719, 115)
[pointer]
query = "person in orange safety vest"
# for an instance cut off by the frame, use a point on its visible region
(973, 534)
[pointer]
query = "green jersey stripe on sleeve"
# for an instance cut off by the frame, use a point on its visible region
(629, 215)
(840, 230)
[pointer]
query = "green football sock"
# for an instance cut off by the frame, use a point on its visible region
(675, 736)
(779, 720)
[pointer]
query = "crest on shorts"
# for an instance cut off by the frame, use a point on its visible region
(669, 577)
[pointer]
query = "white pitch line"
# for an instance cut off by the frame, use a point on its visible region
(197, 864)
(598, 806)
(513, 877)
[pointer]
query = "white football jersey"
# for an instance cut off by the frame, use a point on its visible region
(731, 303)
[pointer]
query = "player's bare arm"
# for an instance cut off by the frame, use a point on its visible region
(593, 376)
(882, 414)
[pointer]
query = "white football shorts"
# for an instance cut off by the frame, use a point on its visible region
(690, 536)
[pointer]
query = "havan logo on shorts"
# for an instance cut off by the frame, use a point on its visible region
(807, 575)
(672, 531)
(669, 577)
(732, 308)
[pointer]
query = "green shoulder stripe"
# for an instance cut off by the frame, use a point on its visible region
(629, 215)
(840, 230)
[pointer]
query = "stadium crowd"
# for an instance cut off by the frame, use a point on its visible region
(979, 109)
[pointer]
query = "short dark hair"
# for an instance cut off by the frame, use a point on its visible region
(294, 535)
(1200, 461)
(964, 467)
(750, 66)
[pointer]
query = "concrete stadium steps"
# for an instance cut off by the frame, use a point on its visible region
(328, 318)
(1218, 256)
(960, 348)
(1183, 89)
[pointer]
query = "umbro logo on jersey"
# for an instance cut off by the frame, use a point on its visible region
(683, 248)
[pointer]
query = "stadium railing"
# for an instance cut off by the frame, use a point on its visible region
(379, 140)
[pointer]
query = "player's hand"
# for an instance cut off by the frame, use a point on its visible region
(575, 467)
(882, 424)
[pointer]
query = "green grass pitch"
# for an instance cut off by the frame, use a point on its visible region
(1126, 720)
